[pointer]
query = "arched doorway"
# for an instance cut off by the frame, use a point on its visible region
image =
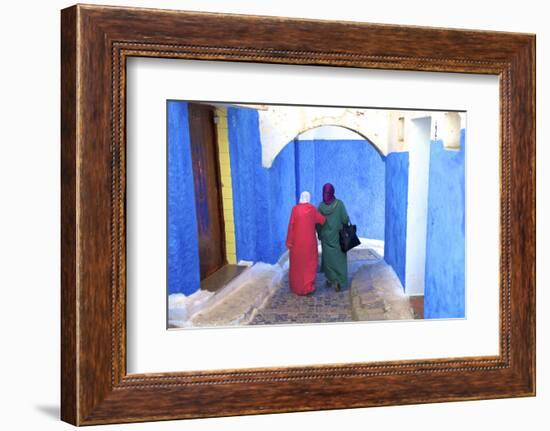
(347, 159)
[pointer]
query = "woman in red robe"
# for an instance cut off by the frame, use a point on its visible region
(301, 242)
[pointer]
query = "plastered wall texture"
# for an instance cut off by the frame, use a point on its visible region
(444, 293)
(281, 124)
(183, 270)
(262, 197)
(374, 188)
(356, 170)
(395, 235)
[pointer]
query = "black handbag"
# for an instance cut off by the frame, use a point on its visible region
(348, 237)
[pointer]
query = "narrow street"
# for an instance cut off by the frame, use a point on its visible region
(374, 293)
(260, 295)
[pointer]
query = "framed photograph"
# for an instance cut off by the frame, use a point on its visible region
(264, 214)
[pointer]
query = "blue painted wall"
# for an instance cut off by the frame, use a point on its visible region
(395, 236)
(357, 172)
(282, 187)
(305, 169)
(262, 198)
(244, 151)
(183, 257)
(374, 189)
(445, 249)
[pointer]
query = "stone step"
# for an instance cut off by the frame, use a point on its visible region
(377, 294)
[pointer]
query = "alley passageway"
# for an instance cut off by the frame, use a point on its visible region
(374, 293)
(260, 295)
(235, 172)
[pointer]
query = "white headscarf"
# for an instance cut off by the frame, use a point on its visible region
(305, 198)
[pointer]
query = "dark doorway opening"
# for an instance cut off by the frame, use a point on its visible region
(215, 272)
(206, 178)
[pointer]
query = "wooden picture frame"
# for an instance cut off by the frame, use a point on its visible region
(95, 43)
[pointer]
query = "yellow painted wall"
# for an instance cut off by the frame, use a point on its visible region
(227, 186)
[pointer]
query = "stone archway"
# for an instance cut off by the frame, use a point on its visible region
(280, 125)
(344, 157)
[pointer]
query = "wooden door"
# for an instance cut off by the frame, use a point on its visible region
(208, 203)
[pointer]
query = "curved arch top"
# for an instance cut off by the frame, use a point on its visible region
(387, 130)
(281, 124)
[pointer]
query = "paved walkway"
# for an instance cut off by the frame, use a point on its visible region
(377, 294)
(261, 296)
(374, 293)
(324, 305)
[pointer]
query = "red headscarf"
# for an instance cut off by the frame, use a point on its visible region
(328, 193)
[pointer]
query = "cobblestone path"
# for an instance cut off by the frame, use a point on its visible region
(323, 306)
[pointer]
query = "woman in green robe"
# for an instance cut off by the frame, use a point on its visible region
(334, 263)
